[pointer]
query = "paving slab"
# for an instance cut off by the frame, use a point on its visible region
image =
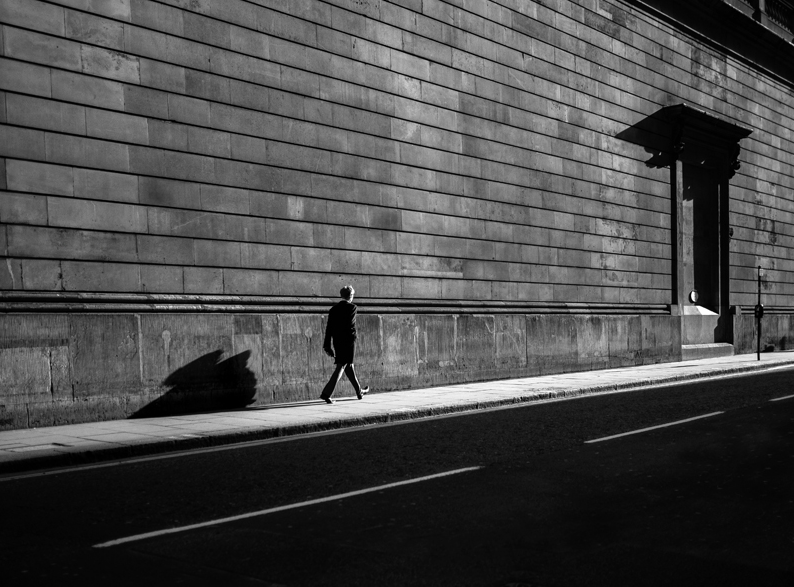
(58, 446)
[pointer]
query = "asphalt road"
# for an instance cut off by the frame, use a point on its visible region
(704, 502)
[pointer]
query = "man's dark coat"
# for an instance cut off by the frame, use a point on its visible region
(341, 328)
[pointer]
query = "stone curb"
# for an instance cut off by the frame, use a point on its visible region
(227, 437)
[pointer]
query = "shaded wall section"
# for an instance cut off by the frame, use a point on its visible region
(77, 368)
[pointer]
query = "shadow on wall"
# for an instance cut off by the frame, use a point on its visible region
(208, 383)
(654, 134)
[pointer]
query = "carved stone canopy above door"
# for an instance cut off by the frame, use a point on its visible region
(703, 139)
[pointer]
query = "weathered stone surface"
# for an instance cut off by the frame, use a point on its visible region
(436, 338)
(425, 151)
(476, 344)
(398, 341)
(104, 355)
(172, 342)
(304, 364)
(511, 344)
(552, 344)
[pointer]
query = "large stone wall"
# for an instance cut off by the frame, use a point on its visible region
(469, 152)
(82, 367)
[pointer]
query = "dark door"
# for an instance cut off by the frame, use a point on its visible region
(701, 238)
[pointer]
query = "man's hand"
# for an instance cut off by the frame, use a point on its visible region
(329, 352)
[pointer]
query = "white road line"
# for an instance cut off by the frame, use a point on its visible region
(279, 509)
(653, 427)
(777, 399)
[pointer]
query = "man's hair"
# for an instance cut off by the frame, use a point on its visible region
(347, 292)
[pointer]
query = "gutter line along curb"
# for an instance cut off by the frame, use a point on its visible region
(232, 436)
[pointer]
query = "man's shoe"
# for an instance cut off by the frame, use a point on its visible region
(364, 390)
(328, 400)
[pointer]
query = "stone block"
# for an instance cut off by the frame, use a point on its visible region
(22, 143)
(249, 149)
(26, 369)
(168, 135)
(335, 42)
(286, 232)
(188, 53)
(203, 280)
(165, 250)
(94, 30)
(161, 279)
(44, 49)
(80, 152)
(188, 110)
(97, 215)
(248, 282)
(145, 102)
(196, 224)
(32, 79)
(187, 166)
(250, 42)
(435, 345)
(116, 9)
(156, 16)
(310, 259)
(398, 356)
(624, 340)
(256, 339)
(45, 114)
(100, 277)
(30, 330)
(154, 191)
(104, 355)
(37, 275)
(116, 126)
(199, 84)
(511, 343)
(552, 343)
(592, 342)
(216, 253)
(265, 256)
(22, 209)
(34, 15)
(209, 142)
(91, 91)
(296, 283)
(252, 229)
(206, 30)
(223, 199)
(145, 43)
(25, 241)
(162, 76)
(660, 338)
(105, 185)
(304, 364)
(415, 244)
(475, 344)
(29, 176)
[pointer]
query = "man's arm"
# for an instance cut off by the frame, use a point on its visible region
(328, 332)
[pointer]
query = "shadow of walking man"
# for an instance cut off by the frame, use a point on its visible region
(208, 383)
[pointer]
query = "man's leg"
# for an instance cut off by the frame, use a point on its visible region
(350, 371)
(328, 390)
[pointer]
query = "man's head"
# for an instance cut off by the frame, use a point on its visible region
(347, 292)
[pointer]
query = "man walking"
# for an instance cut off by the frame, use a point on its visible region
(341, 328)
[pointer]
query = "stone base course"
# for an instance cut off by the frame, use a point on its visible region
(24, 450)
(69, 368)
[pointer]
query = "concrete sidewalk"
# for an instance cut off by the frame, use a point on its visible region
(56, 446)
